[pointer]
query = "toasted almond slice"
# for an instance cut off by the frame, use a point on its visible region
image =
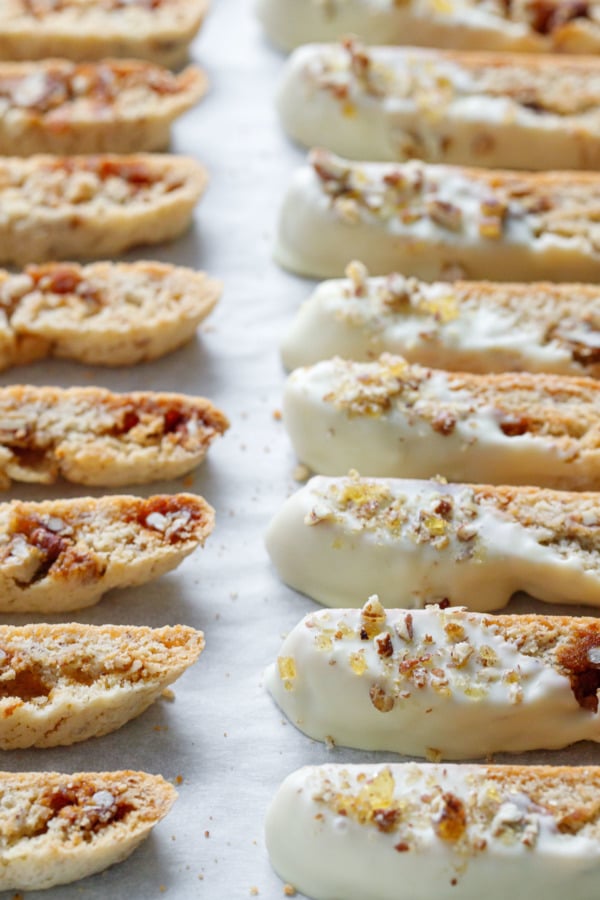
(109, 314)
(92, 436)
(467, 326)
(415, 542)
(388, 418)
(467, 684)
(158, 30)
(560, 26)
(503, 111)
(93, 206)
(60, 107)
(440, 222)
(60, 684)
(444, 831)
(58, 828)
(61, 555)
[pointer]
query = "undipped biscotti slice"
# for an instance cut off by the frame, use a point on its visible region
(60, 684)
(440, 683)
(61, 555)
(158, 30)
(92, 436)
(93, 206)
(559, 26)
(58, 828)
(57, 106)
(110, 314)
(477, 326)
(389, 418)
(415, 542)
(413, 832)
(469, 109)
(440, 222)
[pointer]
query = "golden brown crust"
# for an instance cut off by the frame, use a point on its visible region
(70, 826)
(157, 30)
(60, 107)
(92, 436)
(562, 407)
(60, 684)
(102, 314)
(93, 206)
(569, 515)
(148, 797)
(60, 555)
(571, 645)
(571, 793)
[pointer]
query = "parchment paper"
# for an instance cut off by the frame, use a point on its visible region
(222, 735)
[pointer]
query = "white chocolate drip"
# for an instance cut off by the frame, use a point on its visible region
(352, 832)
(388, 419)
(430, 682)
(416, 542)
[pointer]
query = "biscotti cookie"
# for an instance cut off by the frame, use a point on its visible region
(61, 107)
(392, 419)
(159, 30)
(413, 832)
(440, 682)
(462, 326)
(60, 555)
(92, 436)
(60, 684)
(110, 314)
(440, 222)
(58, 828)
(560, 26)
(93, 206)
(468, 109)
(415, 542)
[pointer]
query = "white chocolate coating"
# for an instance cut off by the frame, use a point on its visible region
(451, 683)
(465, 327)
(461, 24)
(352, 211)
(340, 539)
(342, 415)
(511, 847)
(395, 103)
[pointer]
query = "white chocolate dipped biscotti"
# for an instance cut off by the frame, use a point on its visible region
(158, 30)
(92, 436)
(61, 555)
(113, 106)
(110, 314)
(416, 542)
(413, 832)
(469, 109)
(388, 418)
(60, 684)
(93, 206)
(556, 26)
(464, 326)
(58, 828)
(440, 683)
(440, 222)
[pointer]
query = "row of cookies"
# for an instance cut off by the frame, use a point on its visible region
(66, 683)
(511, 399)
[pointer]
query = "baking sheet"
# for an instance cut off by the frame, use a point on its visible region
(222, 735)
